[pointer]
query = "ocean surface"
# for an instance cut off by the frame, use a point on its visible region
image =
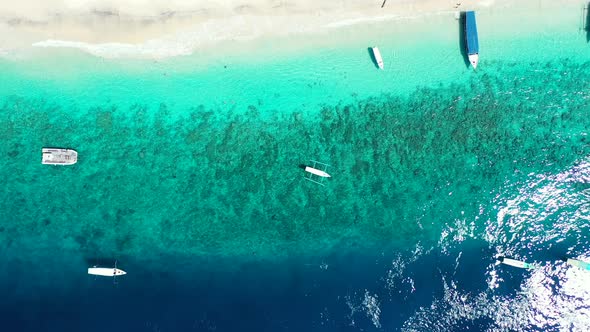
(189, 178)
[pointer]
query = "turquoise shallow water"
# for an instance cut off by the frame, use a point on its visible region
(215, 170)
(189, 174)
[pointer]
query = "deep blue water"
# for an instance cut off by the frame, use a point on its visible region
(315, 294)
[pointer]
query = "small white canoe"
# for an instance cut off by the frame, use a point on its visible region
(378, 57)
(106, 271)
(515, 263)
(53, 156)
(579, 264)
(317, 172)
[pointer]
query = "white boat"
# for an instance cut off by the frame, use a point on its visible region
(317, 172)
(53, 156)
(106, 271)
(377, 56)
(579, 264)
(516, 263)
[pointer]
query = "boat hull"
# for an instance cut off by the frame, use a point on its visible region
(53, 156)
(515, 263)
(317, 172)
(473, 59)
(106, 271)
(471, 38)
(378, 57)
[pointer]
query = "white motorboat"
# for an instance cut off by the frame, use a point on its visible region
(53, 156)
(516, 263)
(106, 271)
(377, 56)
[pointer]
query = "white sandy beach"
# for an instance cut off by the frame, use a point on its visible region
(163, 28)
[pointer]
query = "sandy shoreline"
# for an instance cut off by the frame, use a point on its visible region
(159, 29)
(141, 28)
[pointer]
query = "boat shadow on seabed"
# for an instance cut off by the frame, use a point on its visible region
(586, 20)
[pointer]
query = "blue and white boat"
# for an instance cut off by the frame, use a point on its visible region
(472, 42)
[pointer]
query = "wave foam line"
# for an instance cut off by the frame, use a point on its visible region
(151, 49)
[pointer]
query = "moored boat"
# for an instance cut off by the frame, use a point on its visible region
(377, 56)
(471, 40)
(106, 271)
(316, 172)
(56, 156)
(516, 263)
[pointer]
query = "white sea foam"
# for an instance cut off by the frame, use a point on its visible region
(553, 297)
(454, 234)
(149, 49)
(183, 42)
(353, 307)
(371, 308)
(398, 267)
(455, 308)
(369, 304)
(522, 220)
(178, 44)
